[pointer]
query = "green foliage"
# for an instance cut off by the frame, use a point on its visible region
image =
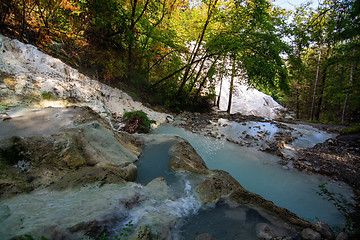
(48, 96)
(137, 121)
(350, 211)
(351, 130)
(125, 231)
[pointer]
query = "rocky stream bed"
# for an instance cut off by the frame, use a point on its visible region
(338, 157)
(69, 172)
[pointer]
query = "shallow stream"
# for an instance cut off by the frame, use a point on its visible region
(170, 200)
(260, 173)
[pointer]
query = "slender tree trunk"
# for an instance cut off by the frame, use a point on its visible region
(197, 48)
(297, 103)
(197, 75)
(323, 78)
(350, 84)
(218, 100)
(315, 87)
(180, 69)
(205, 78)
(131, 39)
(133, 22)
(231, 86)
(23, 25)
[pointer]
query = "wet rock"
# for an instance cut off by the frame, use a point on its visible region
(169, 119)
(4, 117)
(186, 159)
(50, 232)
(205, 236)
(159, 188)
(244, 197)
(218, 184)
(309, 234)
(97, 228)
(142, 233)
(324, 230)
(70, 158)
(263, 231)
(88, 175)
(128, 172)
(342, 236)
(275, 148)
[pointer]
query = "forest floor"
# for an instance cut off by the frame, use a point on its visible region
(338, 158)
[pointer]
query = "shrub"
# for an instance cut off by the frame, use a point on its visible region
(137, 121)
(47, 95)
(351, 130)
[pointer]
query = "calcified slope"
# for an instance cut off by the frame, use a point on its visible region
(33, 72)
(248, 100)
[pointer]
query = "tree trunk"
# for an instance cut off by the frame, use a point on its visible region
(197, 75)
(297, 103)
(205, 78)
(196, 48)
(23, 24)
(323, 78)
(315, 87)
(218, 100)
(350, 84)
(231, 87)
(180, 69)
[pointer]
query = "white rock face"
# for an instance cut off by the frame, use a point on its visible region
(34, 71)
(248, 100)
(37, 72)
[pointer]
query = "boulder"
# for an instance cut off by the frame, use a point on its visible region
(186, 159)
(158, 189)
(310, 234)
(87, 153)
(263, 231)
(324, 230)
(244, 197)
(342, 236)
(142, 233)
(217, 185)
(88, 175)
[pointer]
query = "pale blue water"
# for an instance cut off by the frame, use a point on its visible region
(259, 173)
(154, 163)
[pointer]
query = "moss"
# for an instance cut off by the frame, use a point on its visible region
(48, 96)
(351, 130)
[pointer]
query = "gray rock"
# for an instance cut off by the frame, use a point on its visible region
(218, 184)
(4, 116)
(324, 230)
(309, 234)
(263, 231)
(342, 236)
(186, 159)
(142, 233)
(128, 172)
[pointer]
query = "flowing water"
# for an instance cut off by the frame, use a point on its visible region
(154, 162)
(162, 197)
(260, 173)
